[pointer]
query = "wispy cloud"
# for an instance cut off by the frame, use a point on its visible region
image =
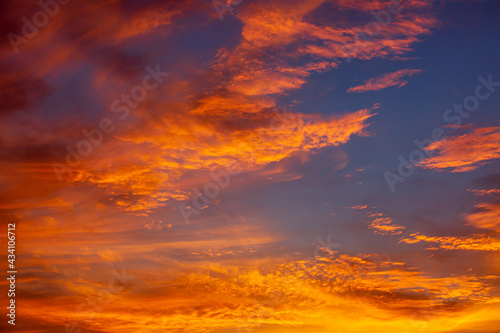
(243, 262)
(395, 79)
(465, 152)
(486, 217)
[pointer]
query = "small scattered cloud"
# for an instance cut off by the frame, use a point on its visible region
(384, 225)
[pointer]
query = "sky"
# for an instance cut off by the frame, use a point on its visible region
(251, 166)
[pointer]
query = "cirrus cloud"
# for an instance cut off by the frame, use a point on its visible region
(387, 80)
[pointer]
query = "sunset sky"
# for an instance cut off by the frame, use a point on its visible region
(255, 166)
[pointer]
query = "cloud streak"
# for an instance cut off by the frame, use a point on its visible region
(258, 91)
(465, 152)
(395, 79)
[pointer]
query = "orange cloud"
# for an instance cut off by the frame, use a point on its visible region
(369, 5)
(224, 113)
(383, 225)
(465, 152)
(110, 256)
(358, 207)
(282, 23)
(228, 271)
(382, 294)
(485, 192)
(472, 243)
(385, 81)
(487, 218)
(144, 179)
(225, 104)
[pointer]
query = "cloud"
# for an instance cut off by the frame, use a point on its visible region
(274, 26)
(298, 293)
(110, 256)
(385, 81)
(219, 107)
(485, 192)
(488, 217)
(470, 243)
(384, 225)
(465, 152)
(358, 207)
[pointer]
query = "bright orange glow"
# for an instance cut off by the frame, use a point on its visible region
(385, 80)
